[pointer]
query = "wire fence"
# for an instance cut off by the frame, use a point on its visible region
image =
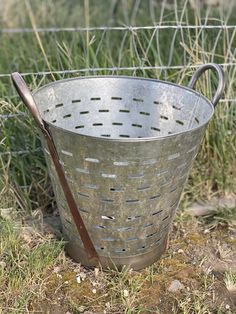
(116, 28)
(179, 27)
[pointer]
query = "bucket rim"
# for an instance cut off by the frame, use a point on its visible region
(129, 139)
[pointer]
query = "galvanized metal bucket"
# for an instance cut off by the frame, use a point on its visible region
(119, 150)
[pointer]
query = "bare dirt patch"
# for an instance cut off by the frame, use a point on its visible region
(198, 258)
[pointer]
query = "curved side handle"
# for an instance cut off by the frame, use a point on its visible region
(28, 100)
(220, 73)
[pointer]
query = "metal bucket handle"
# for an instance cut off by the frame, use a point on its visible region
(29, 101)
(220, 74)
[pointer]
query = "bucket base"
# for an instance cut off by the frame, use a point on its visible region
(135, 262)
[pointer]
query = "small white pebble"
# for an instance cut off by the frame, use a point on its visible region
(82, 275)
(108, 305)
(227, 307)
(94, 291)
(126, 293)
(56, 269)
(59, 275)
(78, 279)
(175, 286)
(66, 282)
(3, 264)
(180, 251)
(96, 272)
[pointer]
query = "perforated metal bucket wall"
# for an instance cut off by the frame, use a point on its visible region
(126, 146)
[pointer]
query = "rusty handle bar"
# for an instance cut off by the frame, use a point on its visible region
(220, 73)
(29, 101)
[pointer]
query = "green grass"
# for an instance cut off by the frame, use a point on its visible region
(26, 268)
(23, 266)
(214, 170)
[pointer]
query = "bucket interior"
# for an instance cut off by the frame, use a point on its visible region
(122, 107)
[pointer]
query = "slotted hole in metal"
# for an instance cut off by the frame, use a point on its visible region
(155, 196)
(156, 102)
(108, 217)
(65, 152)
(68, 221)
(132, 239)
(138, 99)
(67, 116)
(179, 122)
(107, 200)
(117, 189)
(82, 170)
(124, 229)
(100, 227)
(95, 160)
(164, 117)
(103, 110)
(45, 111)
(151, 235)
(59, 105)
(91, 186)
(137, 125)
(75, 101)
(174, 204)
(117, 123)
(134, 217)
(116, 98)
(95, 98)
(165, 227)
(196, 119)
(109, 175)
(54, 121)
(158, 212)
(143, 188)
(155, 129)
(79, 126)
(144, 113)
(160, 173)
(84, 112)
(120, 250)
(124, 110)
(141, 248)
(106, 135)
(149, 224)
(97, 124)
(132, 201)
(175, 107)
(149, 162)
(124, 135)
(108, 239)
(165, 218)
(173, 156)
(136, 176)
(120, 163)
(83, 195)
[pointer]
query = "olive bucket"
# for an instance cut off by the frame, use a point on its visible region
(119, 150)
